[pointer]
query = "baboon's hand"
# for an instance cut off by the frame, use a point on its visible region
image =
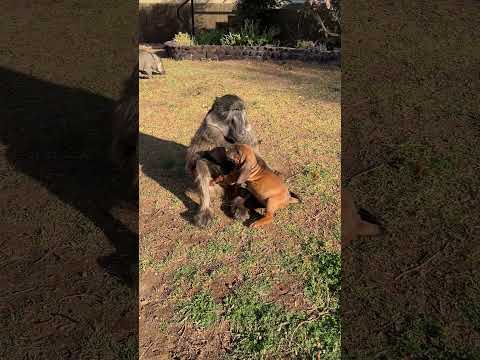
(217, 180)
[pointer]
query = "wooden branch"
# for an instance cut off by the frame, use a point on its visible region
(324, 28)
(422, 264)
(363, 172)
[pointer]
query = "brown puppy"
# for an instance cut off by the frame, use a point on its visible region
(352, 223)
(267, 187)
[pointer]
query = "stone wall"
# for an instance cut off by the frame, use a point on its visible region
(219, 52)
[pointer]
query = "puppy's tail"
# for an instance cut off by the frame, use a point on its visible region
(369, 224)
(294, 198)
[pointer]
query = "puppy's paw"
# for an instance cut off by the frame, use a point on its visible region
(203, 218)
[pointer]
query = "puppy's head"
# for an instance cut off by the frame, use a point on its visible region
(239, 153)
(243, 157)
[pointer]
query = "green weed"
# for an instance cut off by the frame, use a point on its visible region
(201, 310)
(266, 329)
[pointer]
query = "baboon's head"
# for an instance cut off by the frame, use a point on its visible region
(231, 111)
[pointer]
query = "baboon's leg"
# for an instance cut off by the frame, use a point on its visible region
(239, 210)
(202, 180)
(238, 206)
(145, 74)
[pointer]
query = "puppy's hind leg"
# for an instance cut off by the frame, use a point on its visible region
(273, 204)
(204, 215)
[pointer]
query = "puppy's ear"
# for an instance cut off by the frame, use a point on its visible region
(244, 172)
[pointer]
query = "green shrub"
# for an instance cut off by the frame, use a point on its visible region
(231, 39)
(183, 39)
(305, 44)
(250, 35)
(210, 37)
(200, 309)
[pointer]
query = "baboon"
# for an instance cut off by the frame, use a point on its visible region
(124, 147)
(225, 123)
(149, 64)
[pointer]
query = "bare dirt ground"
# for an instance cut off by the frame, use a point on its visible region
(228, 291)
(410, 107)
(62, 65)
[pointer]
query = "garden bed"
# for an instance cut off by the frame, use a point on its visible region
(223, 52)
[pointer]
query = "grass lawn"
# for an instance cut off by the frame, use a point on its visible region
(229, 291)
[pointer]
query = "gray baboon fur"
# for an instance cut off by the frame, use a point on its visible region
(225, 123)
(149, 64)
(124, 147)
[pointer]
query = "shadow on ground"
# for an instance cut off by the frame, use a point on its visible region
(164, 162)
(59, 137)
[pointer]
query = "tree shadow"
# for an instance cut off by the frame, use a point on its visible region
(59, 136)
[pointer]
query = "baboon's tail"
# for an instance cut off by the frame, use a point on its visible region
(294, 198)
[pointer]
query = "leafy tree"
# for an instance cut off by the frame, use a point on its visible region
(317, 9)
(255, 10)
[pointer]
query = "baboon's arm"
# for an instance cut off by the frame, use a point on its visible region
(229, 179)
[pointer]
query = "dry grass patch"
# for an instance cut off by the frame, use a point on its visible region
(228, 276)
